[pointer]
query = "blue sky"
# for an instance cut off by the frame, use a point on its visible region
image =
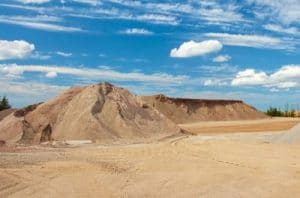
(245, 50)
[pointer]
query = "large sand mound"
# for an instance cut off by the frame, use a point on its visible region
(182, 110)
(102, 113)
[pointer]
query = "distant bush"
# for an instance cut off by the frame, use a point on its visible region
(4, 103)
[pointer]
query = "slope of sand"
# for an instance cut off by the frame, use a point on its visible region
(181, 110)
(181, 167)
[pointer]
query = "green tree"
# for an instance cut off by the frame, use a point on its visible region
(4, 103)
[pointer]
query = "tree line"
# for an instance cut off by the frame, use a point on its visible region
(4, 103)
(287, 112)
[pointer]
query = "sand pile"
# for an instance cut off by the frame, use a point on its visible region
(101, 113)
(182, 110)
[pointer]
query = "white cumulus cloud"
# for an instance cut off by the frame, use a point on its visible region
(17, 49)
(192, 48)
(250, 77)
(288, 76)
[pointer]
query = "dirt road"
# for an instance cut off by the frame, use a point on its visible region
(178, 167)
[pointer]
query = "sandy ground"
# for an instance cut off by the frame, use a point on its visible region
(223, 165)
(273, 124)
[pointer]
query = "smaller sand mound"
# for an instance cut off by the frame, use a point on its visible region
(183, 110)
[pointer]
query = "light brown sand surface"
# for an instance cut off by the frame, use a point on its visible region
(272, 124)
(178, 167)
